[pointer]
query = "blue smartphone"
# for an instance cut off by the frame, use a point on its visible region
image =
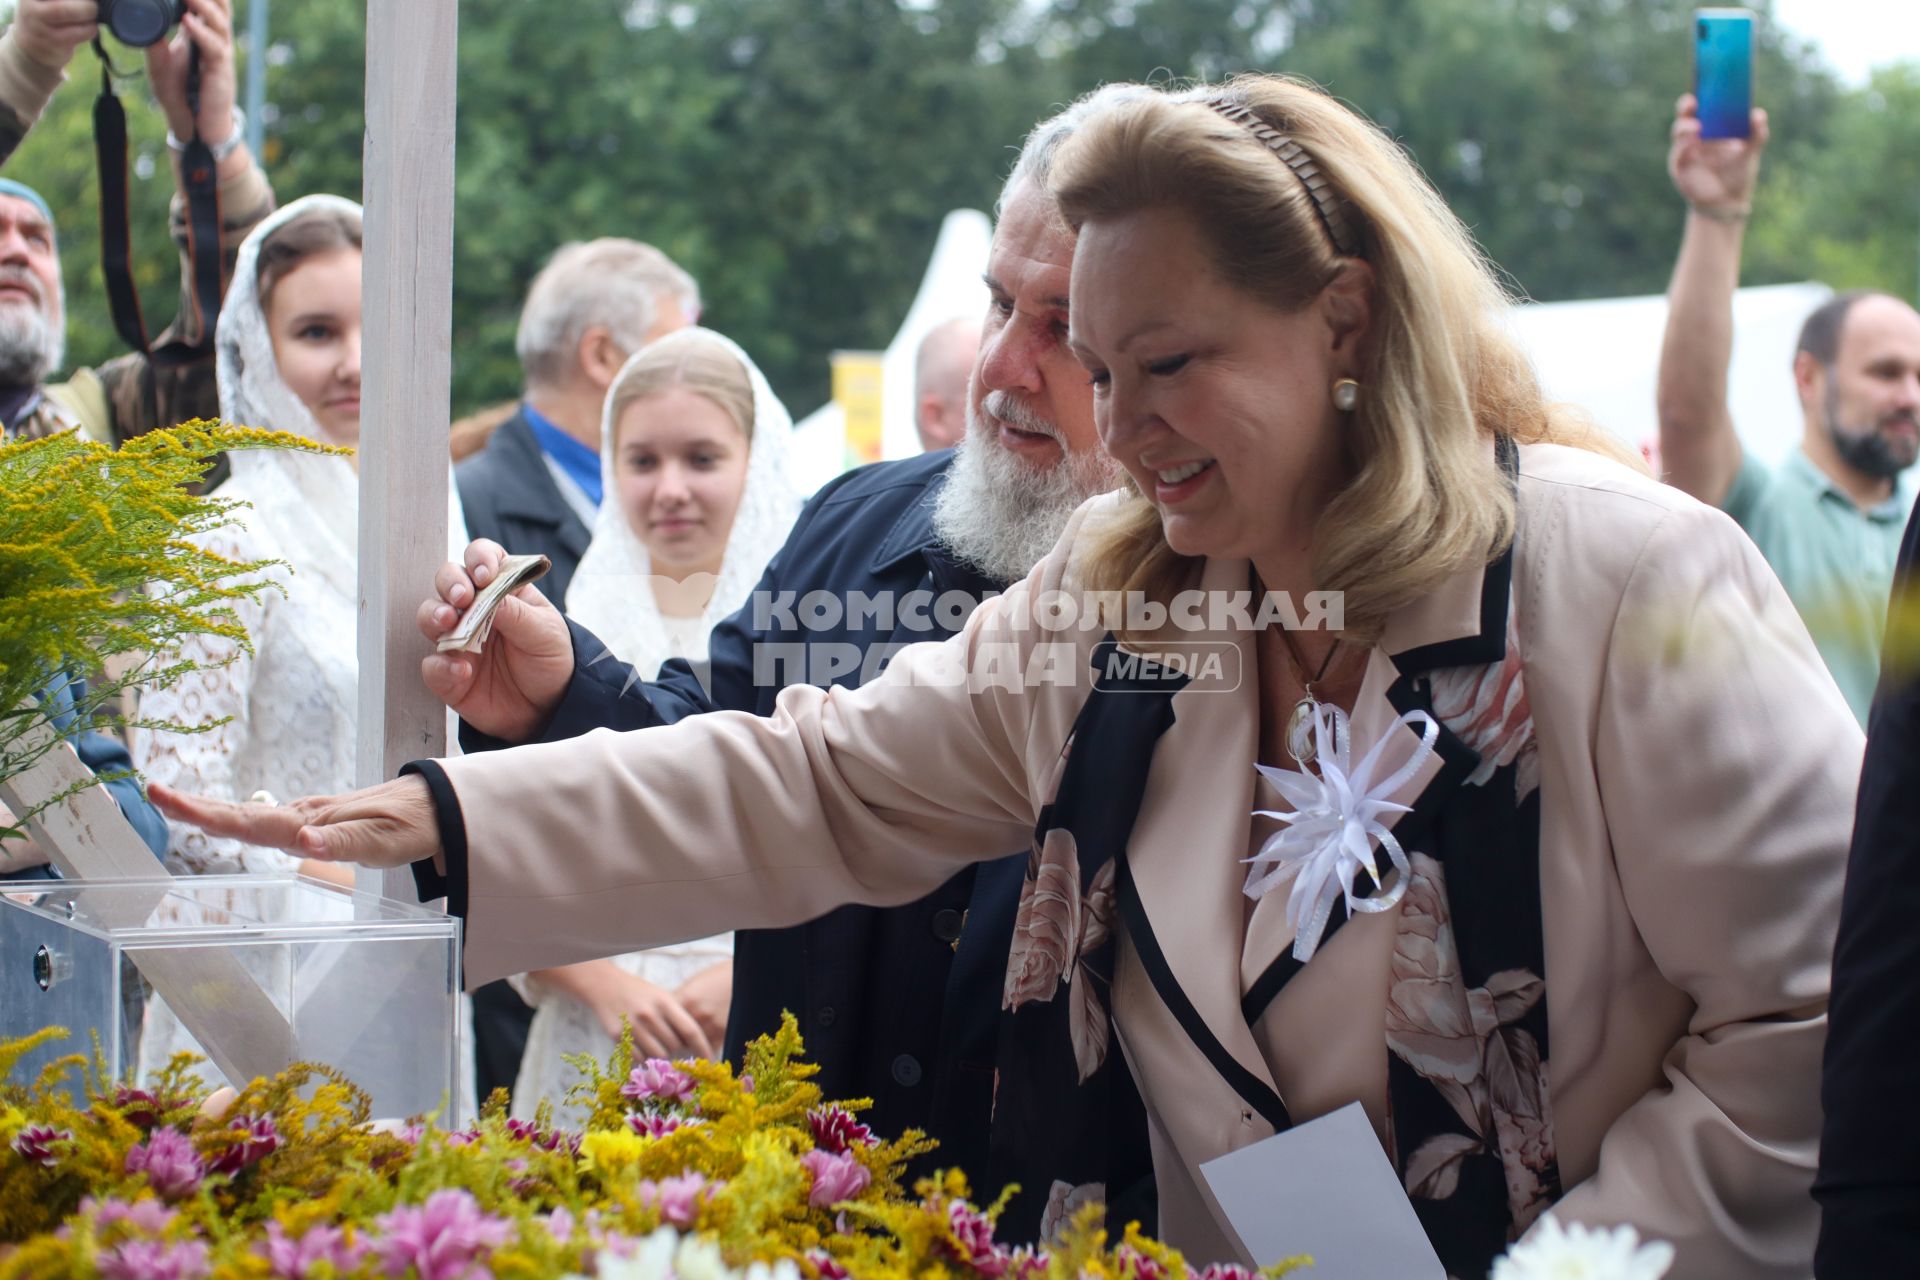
(1723, 71)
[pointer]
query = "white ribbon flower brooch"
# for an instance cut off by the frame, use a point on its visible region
(1328, 837)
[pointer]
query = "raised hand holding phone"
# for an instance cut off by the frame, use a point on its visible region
(1715, 176)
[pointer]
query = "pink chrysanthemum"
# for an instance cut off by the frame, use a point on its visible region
(441, 1240)
(34, 1144)
(1139, 1264)
(835, 1129)
(148, 1216)
(836, 1177)
(1226, 1271)
(154, 1260)
(973, 1240)
(1028, 1263)
(138, 1107)
(300, 1259)
(261, 1141)
(828, 1267)
(658, 1078)
(649, 1125)
(678, 1199)
(173, 1168)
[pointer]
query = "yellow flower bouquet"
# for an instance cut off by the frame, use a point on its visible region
(100, 573)
(684, 1169)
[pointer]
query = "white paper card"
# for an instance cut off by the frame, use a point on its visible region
(1324, 1188)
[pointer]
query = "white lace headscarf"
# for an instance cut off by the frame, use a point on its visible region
(308, 505)
(611, 593)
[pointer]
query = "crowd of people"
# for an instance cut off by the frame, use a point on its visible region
(1540, 853)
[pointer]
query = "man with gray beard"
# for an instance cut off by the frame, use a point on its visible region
(132, 393)
(902, 1004)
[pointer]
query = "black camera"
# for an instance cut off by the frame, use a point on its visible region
(141, 22)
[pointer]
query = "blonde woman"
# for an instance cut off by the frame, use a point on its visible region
(1535, 854)
(693, 463)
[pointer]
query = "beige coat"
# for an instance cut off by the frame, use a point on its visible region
(1696, 770)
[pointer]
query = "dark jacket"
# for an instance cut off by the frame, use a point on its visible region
(899, 1004)
(101, 754)
(1869, 1181)
(509, 496)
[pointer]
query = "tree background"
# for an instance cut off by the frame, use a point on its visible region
(797, 155)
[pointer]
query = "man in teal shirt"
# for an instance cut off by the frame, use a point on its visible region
(1828, 519)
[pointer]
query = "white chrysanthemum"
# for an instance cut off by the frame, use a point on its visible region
(781, 1270)
(653, 1260)
(1553, 1252)
(701, 1260)
(666, 1255)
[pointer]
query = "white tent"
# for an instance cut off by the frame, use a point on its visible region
(1604, 354)
(951, 287)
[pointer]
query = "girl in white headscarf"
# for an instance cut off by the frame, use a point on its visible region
(694, 461)
(288, 350)
(289, 705)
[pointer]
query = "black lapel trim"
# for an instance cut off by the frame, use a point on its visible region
(1458, 761)
(1254, 1091)
(1496, 589)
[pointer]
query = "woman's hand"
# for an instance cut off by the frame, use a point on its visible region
(390, 825)
(662, 1026)
(1714, 175)
(509, 689)
(706, 996)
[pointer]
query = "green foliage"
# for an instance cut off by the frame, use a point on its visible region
(797, 157)
(98, 562)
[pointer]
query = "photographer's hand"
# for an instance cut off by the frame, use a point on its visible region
(49, 31)
(208, 27)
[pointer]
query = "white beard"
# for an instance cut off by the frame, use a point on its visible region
(31, 346)
(1001, 514)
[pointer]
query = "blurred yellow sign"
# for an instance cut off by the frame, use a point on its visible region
(856, 389)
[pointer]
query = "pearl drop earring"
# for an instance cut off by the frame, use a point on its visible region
(1346, 394)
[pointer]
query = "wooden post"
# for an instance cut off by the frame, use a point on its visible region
(406, 375)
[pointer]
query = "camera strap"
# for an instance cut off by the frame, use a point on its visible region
(200, 182)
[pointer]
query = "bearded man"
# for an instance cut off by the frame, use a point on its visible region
(902, 1004)
(1829, 518)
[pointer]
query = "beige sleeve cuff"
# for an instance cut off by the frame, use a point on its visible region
(25, 85)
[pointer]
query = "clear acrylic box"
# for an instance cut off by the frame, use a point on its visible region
(253, 972)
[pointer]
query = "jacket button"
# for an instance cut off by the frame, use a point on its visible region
(906, 1070)
(947, 925)
(826, 1017)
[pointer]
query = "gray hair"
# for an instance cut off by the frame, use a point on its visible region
(1035, 163)
(614, 283)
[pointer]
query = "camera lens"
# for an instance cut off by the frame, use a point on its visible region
(1701, 29)
(139, 22)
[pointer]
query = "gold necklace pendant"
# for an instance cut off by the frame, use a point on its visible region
(1300, 731)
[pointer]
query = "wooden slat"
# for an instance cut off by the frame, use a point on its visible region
(406, 373)
(86, 837)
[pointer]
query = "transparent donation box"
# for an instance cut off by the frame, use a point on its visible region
(254, 973)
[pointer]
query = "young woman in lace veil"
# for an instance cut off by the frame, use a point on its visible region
(694, 459)
(288, 348)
